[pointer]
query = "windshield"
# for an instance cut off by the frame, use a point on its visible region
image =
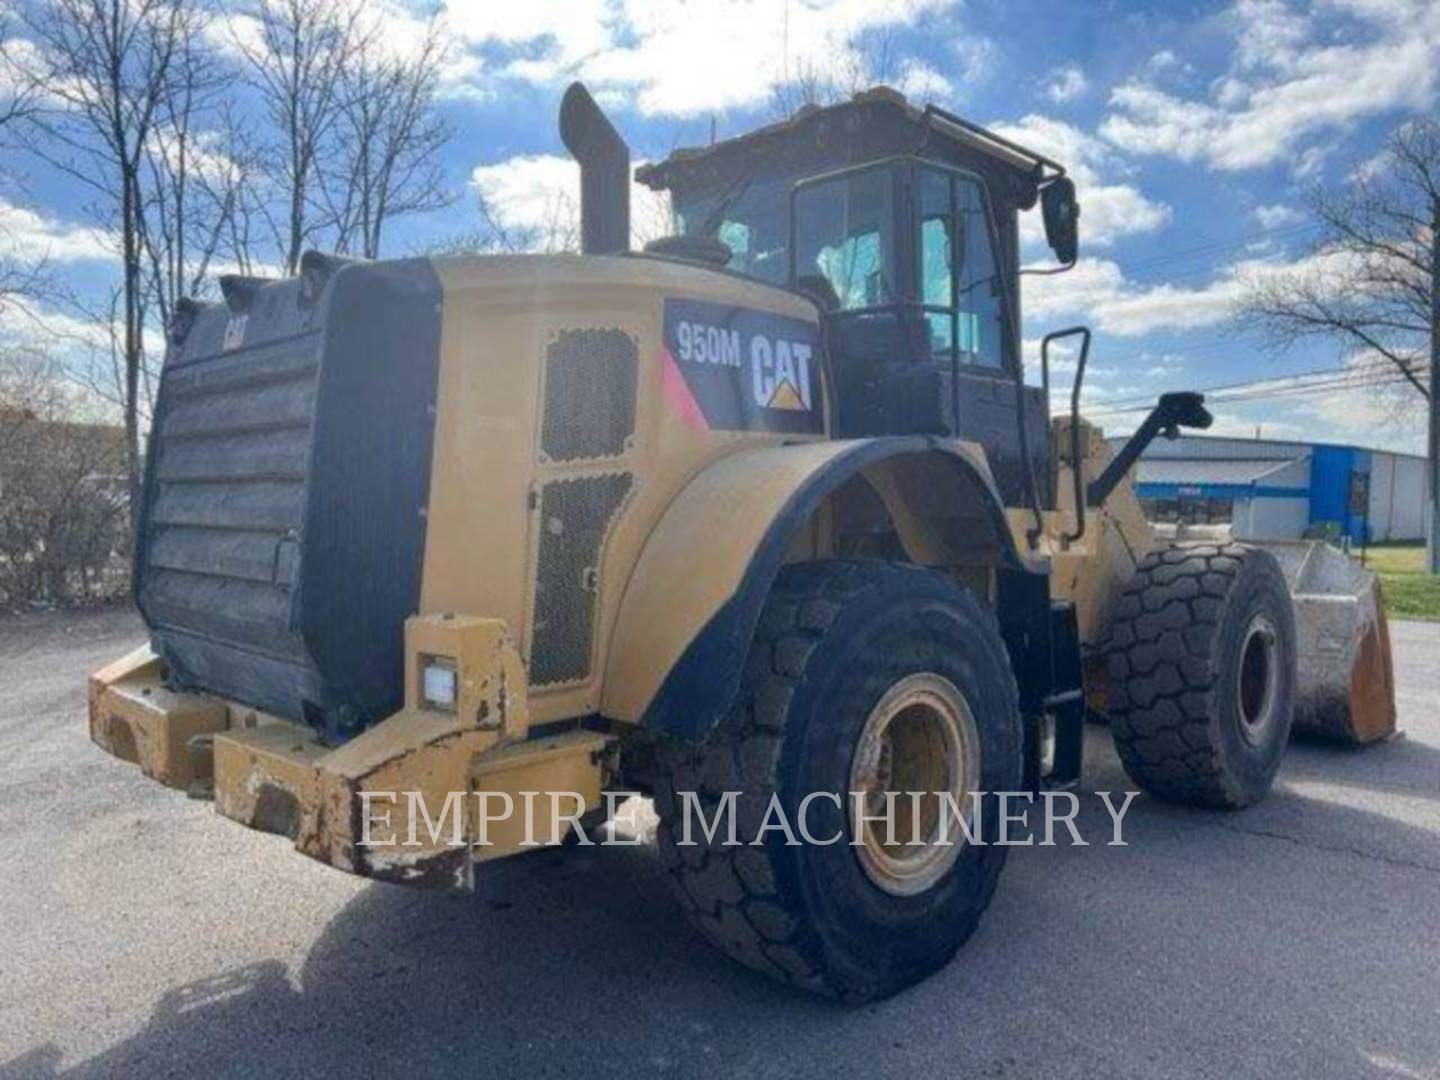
(753, 226)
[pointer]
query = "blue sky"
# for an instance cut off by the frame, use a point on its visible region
(1194, 130)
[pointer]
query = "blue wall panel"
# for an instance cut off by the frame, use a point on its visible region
(1330, 484)
(1332, 472)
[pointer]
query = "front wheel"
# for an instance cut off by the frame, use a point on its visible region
(1201, 658)
(867, 678)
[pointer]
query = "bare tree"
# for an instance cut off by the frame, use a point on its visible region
(17, 94)
(390, 135)
(233, 184)
(297, 54)
(1368, 282)
(813, 82)
(557, 230)
(101, 72)
(62, 489)
(189, 181)
(21, 282)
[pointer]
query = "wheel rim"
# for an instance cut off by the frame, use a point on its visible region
(1257, 679)
(921, 736)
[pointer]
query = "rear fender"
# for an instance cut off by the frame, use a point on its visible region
(693, 600)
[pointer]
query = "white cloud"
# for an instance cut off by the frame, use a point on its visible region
(535, 199)
(1107, 210)
(976, 57)
(1274, 217)
(1387, 416)
(1066, 83)
(684, 60)
(1286, 84)
(567, 30)
(534, 191)
(30, 237)
(921, 82)
(719, 54)
(1098, 290)
(403, 29)
(39, 326)
(1270, 34)
(660, 57)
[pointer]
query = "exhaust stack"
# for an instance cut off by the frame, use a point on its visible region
(604, 162)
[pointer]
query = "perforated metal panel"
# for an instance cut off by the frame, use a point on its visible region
(589, 394)
(575, 515)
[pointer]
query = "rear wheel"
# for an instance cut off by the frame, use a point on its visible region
(863, 677)
(1201, 658)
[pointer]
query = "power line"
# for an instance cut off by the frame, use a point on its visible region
(1259, 391)
(1337, 385)
(1223, 342)
(1347, 382)
(1243, 384)
(1320, 377)
(1240, 241)
(1148, 399)
(1199, 346)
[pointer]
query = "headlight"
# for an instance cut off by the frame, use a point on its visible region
(438, 683)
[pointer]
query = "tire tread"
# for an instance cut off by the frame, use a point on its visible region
(1160, 656)
(731, 894)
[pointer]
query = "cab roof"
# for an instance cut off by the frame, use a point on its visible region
(874, 124)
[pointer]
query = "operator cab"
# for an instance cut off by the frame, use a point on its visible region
(902, 225)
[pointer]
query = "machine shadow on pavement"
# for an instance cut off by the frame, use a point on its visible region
(490, 981)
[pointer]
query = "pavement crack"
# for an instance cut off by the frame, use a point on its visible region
(1338, 849)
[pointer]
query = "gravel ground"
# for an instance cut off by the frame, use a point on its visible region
(144, 935)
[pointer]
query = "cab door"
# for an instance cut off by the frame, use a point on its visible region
(966, 290)
(906, 259)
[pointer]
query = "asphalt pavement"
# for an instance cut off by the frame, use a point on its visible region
(141, 934)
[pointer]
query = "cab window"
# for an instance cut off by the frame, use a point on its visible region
(844, 237)
(753, 226)
(937, 260)
(961, 293)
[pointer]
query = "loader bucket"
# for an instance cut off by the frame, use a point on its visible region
(1345, 685)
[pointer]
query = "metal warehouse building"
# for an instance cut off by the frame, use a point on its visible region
(1282, 490)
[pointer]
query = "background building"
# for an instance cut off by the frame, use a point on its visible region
(1280, 490)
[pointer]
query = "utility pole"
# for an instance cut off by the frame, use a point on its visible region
(1432, 544)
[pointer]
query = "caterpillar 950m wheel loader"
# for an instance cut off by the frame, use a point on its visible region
(764, 512)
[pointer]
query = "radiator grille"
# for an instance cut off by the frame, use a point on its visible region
(227, 491)
(575, 515)
(589, 394)
(280, 537)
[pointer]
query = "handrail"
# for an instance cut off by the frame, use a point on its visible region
(1076, 470)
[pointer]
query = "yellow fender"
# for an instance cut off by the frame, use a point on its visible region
(691, 604)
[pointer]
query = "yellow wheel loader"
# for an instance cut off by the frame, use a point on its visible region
(763, 521)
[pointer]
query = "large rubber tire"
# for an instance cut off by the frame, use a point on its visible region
(833, 638)
(1201, 660)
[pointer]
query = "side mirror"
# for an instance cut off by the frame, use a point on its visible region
(1061, 212)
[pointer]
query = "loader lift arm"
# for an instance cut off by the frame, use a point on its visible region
(1174, 411)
